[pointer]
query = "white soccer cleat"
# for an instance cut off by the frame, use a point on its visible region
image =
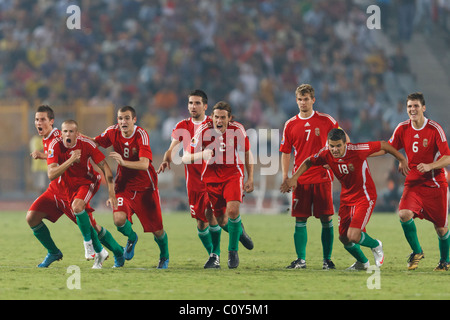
(359, 266)
(100, 258)
(378, 254)
(89, 252)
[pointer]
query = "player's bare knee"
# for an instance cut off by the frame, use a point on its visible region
(405, 215)
(34, 218)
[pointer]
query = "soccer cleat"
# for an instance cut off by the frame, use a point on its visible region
(128, 252)
(233, 259)
(89, 252)
(119, 262)
(163, 263)
(327, 264)
(100, 258)
(50, 258)
(378, 254)
(245, 239)
(413, 260)
(442, 266)
(358, 266)
(297, 264)
(213, 262)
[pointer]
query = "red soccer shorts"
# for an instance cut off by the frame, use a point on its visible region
(198, 203)
(309, 197)
(145, 204)
(221, 193)
(54, 207)
(427, 203)
(356, 216)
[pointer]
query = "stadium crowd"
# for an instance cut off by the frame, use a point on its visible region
(253, 53)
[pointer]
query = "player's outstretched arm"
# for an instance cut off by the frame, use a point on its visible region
(291, 183)
(197, 157)
(248, 185)
(439, 164)
(167, 159)
(112, 201)
(141, 164)
(403, 163)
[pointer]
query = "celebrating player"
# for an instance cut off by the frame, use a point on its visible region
(306, 133)
(53, 202)
(358, 194)
(426, 189)
(223, 171)
(136, 183)
(208, 229)
(68, 158)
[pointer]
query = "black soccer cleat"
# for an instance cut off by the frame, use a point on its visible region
(233, 259)
(245, 239)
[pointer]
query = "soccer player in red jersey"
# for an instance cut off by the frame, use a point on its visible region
(358, 193)
(208, 229)
(223, 170)
(306, 133)
(426, 189)
(68, 160)
(52, 204)
(136, 182)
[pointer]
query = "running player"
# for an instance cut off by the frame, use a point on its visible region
(68, 161)
(136, 182)
(358, 193)
(223, 171)
(426, 189)
(53, 202)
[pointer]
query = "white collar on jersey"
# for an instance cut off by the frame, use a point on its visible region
(424, 124)
(308, 117)
(199, 122)
(50, 134)
(134, 130)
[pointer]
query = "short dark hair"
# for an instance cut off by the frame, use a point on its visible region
(128, 108)
(199, 93)
(70, 121)
(416, 96)
(48, 110)
(222, 105)
(337, 134)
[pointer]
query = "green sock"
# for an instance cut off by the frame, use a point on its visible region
(355, 250)
(163, 245)
(42, 233)
(215, 232)
(225, 228)
(367, 241)
(109, 242)
(127, 231)
(235, 231)
(444, 244)
(84, 224)
(300, 239)
(409, 228)
(205, 237)
(327, 239)
(95, 241)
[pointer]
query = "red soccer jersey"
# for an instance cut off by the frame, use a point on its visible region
(79, 173)
(225, 162)
(184, 132)
(351, 170)
(307, 136)
(424, 145)
(131, 149)
(54, 185)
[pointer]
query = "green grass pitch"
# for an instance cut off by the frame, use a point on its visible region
(261, 275)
